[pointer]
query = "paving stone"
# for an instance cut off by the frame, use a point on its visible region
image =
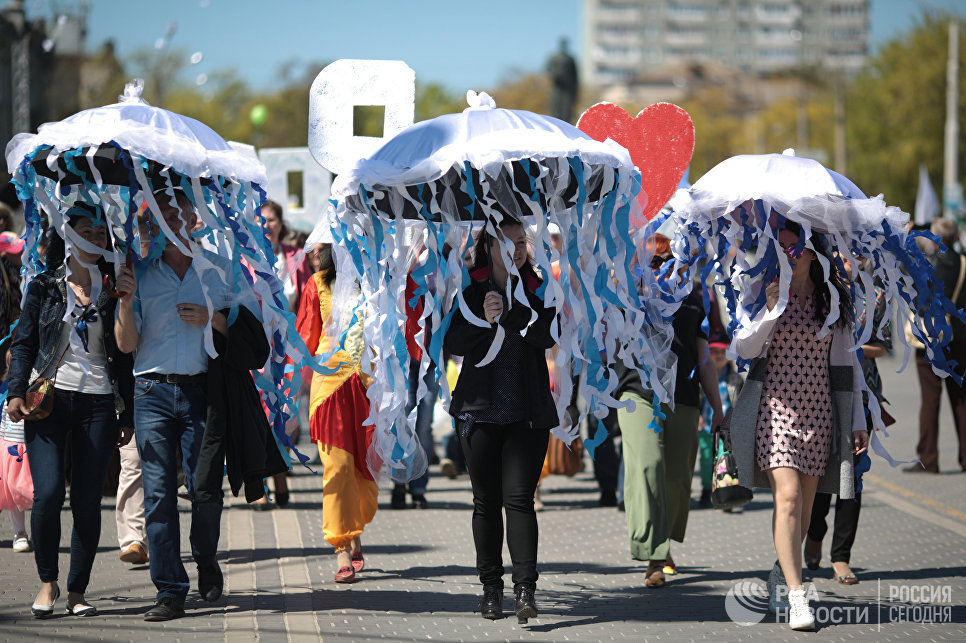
(420, 583)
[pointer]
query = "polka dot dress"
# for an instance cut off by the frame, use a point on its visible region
(795, 417)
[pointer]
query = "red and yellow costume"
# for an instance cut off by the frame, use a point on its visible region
(337, 410)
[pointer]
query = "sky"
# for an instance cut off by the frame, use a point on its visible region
(463, 45)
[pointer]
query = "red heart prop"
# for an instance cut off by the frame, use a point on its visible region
(660, 139)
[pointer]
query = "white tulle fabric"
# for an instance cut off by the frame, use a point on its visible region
(179, 142)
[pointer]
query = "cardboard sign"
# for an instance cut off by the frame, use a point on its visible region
(316, 182)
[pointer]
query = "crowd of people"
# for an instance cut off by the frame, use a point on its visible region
(145, 377)
(128, 370)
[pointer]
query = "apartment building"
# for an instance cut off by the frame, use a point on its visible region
(624, 39)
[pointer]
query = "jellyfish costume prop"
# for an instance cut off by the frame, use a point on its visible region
(130, 155)
(726, 231)
(408, 211)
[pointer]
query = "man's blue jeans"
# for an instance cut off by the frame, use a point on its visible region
(166, 415)
(424, 419)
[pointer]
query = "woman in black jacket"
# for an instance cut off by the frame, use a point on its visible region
(93, 384)
(504, 411)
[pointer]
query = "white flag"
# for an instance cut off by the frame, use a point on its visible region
(927, 203)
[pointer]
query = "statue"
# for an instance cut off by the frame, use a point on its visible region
(563, 78)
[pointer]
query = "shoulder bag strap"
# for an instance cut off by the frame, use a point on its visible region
(53, 380)
(959, 282)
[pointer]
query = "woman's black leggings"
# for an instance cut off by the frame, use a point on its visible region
(504, 462)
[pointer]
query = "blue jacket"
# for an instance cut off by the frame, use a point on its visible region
(37, 339)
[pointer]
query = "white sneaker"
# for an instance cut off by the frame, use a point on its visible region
(799, 613)
(777, 590)
(20, 543)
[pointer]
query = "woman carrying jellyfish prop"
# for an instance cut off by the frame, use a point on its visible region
(411, 212)
(591, 295)
(770, 234)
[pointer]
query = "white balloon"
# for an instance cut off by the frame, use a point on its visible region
(347, 83)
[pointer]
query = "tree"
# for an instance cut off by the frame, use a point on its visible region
(719, 130)
(524, 90)
(432, 100)
(895, 112)
(160, 71)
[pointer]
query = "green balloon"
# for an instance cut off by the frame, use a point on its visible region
(258, 115)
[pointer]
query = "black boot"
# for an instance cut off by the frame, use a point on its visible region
(524, 604)
(398, 499)
(491, 607)
(211, 582)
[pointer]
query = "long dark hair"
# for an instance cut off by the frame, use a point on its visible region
(326, 263)
(481, 249)
(822, 296)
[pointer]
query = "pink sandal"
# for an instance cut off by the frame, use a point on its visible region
(345, 575)
(358, 562)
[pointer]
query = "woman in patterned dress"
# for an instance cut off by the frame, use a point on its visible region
(847, 512)
(802, 410)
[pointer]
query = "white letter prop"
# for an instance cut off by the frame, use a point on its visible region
(347, 83)
(316, 181)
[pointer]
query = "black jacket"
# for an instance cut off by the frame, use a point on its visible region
(947, 265)
(36, 342)
(237, 433)
(475, 388)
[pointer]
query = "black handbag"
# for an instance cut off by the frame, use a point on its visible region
(726, 490)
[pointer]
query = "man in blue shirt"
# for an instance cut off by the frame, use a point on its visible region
(164, 317)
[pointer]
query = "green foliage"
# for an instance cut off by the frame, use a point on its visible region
(432, 100)
(524, 90)
(718, 129)
(895, 112)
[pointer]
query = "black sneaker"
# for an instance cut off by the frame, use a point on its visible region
(398, 500)
(705, 501)
(166, 609)
(210, 582)
(419, 502)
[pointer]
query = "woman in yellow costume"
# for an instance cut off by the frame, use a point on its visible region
(337, 411)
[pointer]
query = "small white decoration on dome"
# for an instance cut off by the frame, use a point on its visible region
(790, 151)
(132, 92)
(480, 100)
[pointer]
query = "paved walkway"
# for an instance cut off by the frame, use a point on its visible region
(420, 584)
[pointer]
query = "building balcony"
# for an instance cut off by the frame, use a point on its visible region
(686, 39)
(617, 16)
(785, 18)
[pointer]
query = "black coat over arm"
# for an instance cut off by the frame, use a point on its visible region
(237, 432)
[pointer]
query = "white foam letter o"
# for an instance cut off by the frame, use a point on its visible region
(344, 84)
